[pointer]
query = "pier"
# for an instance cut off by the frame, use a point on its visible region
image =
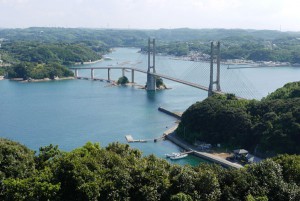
(173, 114)
(171, 135)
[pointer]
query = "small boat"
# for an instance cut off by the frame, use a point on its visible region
(107, 58)
(178, 156)
(172, 154)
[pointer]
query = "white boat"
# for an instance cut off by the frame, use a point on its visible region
(107, 58)
(178, 156)
(172, 154)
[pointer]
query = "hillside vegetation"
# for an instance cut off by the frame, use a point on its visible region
(257, 45)
(118, 172)
(62, 53)
(27, 70)
(268, 127)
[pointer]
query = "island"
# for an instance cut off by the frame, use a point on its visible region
(266, 128)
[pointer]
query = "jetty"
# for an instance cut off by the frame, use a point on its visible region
(173, 114)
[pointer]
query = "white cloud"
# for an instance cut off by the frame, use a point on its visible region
(257, 14)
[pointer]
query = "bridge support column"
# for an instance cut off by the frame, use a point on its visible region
(132, 76)
(151, 79)
(123, 72)
(92, 73)
(151, 82)
(108, 74)
(76, 73)
(214, 54)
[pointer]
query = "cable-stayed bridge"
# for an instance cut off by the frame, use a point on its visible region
(201, 75)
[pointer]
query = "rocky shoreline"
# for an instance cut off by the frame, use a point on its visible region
(41, 80)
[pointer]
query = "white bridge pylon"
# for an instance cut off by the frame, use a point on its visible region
(151, 72)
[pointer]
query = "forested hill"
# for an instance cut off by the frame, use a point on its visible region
(267, 127)
(63, 53)
(256, 45)
(118, 172)
(289, 90)
(131, 37)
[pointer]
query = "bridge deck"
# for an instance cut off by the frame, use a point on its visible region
(198, 86)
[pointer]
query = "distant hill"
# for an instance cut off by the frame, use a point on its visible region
(256, 45)
(131, 37)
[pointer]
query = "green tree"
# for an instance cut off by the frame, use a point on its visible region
(40, 186)
(160, 83)
(17, 161)
(290, 167)
(123, 80)
(269, 127)
(181, 197)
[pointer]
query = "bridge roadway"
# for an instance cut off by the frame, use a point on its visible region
(198, 86)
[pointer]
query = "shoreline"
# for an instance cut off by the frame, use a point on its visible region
(215, 157)
(88, 62)
(234, 62)
(41, 80)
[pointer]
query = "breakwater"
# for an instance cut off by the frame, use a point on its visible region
(207, 156)
(170, 134)
(173, 114)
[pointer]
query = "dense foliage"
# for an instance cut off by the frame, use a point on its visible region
(267, 127)
(16, 160)
(27, 70)
(118, 172)
(123, 80)
(278, 50)
(62, 53)
(2, 71)
(160, 83)
(257, 45)
(289, 90)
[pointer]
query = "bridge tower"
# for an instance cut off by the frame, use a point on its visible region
(214, 57)
(151, 79)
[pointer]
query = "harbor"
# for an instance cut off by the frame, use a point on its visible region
(204, 155)
(170, 135)
(98, 113)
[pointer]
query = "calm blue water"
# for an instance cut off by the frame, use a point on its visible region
(72, 112)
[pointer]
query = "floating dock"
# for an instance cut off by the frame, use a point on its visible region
(130, 139)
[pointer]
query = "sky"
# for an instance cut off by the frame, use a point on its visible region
(281, 15)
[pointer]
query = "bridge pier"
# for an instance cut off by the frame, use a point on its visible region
(132, 76)
(108, 74)
(123, 72)
(76, 73)
(92, 73)
(151, 82)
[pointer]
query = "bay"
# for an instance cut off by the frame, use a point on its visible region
(70, 113)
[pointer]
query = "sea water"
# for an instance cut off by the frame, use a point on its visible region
(70, 113)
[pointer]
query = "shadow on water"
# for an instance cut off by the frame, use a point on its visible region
(151, 96)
